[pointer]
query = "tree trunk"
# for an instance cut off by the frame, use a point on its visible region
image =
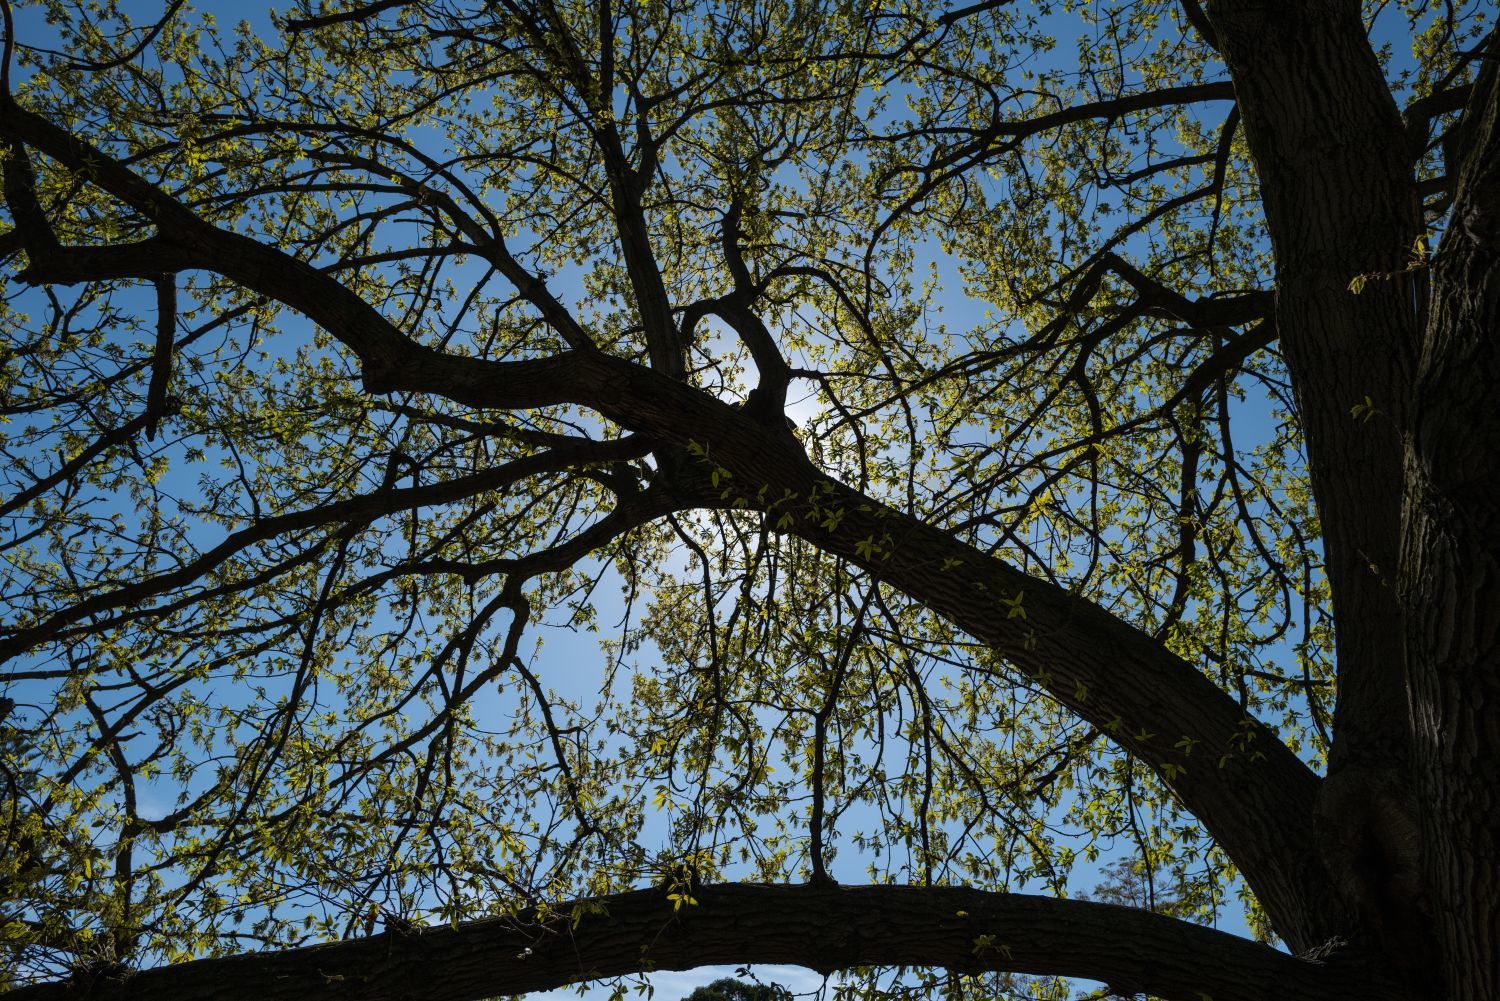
(1412, 815)
(1451, 566)
(1341, 206)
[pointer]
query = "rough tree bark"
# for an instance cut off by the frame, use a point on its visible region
(1450, 580)
(1340, 201)
(1404, 452)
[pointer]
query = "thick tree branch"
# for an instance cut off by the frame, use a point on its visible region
(1193, 11)
(1217, 312)
(360, 13)
(1419, 114)
(822, 927)
(157, 401)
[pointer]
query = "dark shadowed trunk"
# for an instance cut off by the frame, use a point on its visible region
(1338, 184)
(1342, 208)
(1451, 566)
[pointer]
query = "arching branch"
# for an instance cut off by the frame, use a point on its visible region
(823, 927)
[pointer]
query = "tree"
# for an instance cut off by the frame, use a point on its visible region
(729, 989)
(935, 397)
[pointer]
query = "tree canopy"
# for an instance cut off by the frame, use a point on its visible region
(730, 989)
(981, 442)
